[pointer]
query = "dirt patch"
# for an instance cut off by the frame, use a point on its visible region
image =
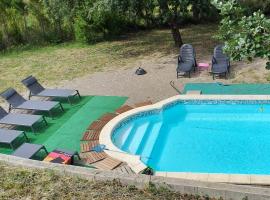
(160, 71)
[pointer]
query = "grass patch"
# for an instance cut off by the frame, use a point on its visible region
(20, 183)
(68, 61)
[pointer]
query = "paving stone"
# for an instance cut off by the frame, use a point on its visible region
(123, 109)
(145, 103)
(107, 117)
(90, 135)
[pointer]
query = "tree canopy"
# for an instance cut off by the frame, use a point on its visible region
(244, 27)
(54, 21)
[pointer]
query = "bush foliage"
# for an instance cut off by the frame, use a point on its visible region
(55, 21)
(246, 35)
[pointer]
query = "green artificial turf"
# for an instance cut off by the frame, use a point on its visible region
(237, 89)
(67, 128)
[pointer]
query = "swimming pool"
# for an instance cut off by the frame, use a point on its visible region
(200, 136)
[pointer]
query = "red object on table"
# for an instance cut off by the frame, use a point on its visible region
(59, 157)
(203, 66)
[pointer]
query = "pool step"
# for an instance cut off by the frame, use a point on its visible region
(149, 141)
(135, 138)
(145, 138)
(124, 135)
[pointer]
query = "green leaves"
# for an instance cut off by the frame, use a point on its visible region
(245, 36)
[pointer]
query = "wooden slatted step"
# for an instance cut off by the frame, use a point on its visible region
(145, 103)
(90, 135)
(124, 169)
(107, 164)
(97, 125)
(107, 117)
(92, 157)
(123, 109)
(87, 146)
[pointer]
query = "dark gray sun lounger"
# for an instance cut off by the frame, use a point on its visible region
(36, 89)
(220, 62)
(20, 119)
(186, 60)
(9, 136)
(16, 101)
(28, 150)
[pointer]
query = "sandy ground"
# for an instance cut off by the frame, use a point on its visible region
(155, 84)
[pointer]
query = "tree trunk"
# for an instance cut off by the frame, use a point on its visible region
(175, 28)
(6, 41)
(176, 34)
(172, 20)
(196, 13)
(26, 37)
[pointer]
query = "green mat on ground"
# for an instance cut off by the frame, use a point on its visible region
(66, 129)
(238, 89)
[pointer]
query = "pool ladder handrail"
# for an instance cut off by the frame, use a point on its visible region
(173, 86)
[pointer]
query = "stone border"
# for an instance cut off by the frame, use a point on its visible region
(138, 166)
(217, 190)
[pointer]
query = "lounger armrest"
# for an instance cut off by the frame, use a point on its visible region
(214, 60)
(228, 62)
(180, 59)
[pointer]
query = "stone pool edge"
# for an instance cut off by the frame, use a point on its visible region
(138, 166)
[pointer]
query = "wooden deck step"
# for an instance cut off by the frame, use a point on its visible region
(87, 146)
(90, 135)
(92, 157)
(123, 109)
(107, 164)
(145, 103)
(97, 125)
(107, 117)
(124, 169)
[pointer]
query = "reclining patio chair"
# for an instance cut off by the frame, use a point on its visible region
(16, 101)
(220, 62)
(20, 119)
(186, 60)
(8, 136)
(27, 150)
(36, 89)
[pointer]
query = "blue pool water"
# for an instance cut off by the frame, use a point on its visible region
(204, 138)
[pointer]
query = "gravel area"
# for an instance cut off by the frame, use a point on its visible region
(155, 84)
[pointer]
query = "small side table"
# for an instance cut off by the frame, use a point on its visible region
(203, 66)
(61, 156)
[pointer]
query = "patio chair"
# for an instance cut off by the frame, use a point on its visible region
(16, 101)
(186, 60)
(27, 150)
(36, 89)
(220, 62)
(9, 136)
(17, 119)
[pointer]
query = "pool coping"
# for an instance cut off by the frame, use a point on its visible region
(138, 166)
